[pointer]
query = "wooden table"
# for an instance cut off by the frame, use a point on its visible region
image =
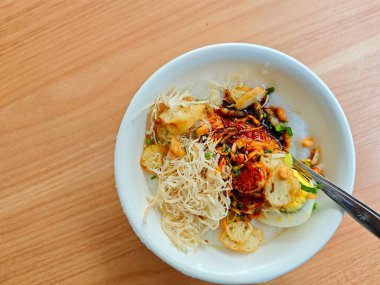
(68, 70)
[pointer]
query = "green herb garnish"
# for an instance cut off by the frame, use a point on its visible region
(270, 90)
(308, 189)
(236, 171)
(267, 151)
(280, 128)
(231, 219)
(315, 206)
(319, 185)
(153, 177)
(148, 141)
(208, 154)
(289, 131)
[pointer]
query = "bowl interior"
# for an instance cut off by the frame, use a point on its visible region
(308, 97)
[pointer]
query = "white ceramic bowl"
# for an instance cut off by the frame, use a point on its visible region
(309, 97)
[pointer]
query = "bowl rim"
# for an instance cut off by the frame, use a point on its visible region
(182, 267)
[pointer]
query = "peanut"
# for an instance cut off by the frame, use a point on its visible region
(307, 142)
(202, 130)
(241, 142)
(281, 115)
(233, 149)
(251, 154)
(284, 172)
(189, 98)
(239, 158)
(175, 148)
(317, 169)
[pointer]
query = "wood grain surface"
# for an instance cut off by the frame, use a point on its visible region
(68, 70)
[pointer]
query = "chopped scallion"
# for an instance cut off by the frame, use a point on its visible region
(280, 128)
(153, 177)
(319, 185)
(315, 206)
(236, 171)
(270, 90)
(231, 219)
(267, 151)
(148, 141)
(308, 189)
(289, 131)
(208, 154)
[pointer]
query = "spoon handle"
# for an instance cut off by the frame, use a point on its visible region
(363, 214)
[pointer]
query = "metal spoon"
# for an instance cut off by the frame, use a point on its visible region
(363, 214)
